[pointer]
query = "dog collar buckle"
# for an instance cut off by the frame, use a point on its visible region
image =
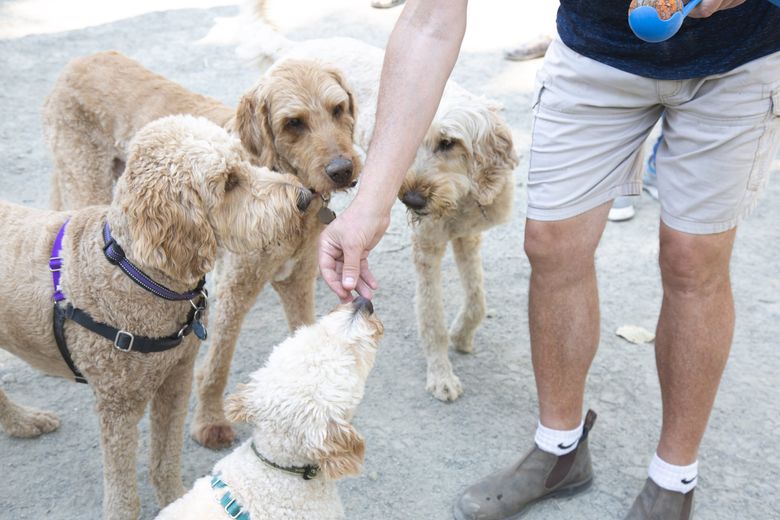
(124, 341)
(310, 472)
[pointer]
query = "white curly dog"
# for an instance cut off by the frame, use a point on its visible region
(300, 405)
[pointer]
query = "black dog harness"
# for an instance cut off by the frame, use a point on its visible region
(122, 339)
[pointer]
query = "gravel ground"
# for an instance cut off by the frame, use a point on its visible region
(420, 452)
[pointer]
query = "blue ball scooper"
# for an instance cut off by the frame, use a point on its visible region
(648, 26)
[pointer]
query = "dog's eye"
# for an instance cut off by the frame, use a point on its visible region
(295, 123)
(444, 144)
(337, 111)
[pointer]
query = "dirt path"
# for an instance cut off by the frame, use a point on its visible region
(420, 452)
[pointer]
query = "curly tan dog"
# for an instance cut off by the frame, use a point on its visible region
(460, 185)
(298, 119)
(188, 190)
(300, 406)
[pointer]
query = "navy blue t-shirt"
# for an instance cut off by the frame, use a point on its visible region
(599, 30)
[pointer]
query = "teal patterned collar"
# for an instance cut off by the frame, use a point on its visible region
(228, 502)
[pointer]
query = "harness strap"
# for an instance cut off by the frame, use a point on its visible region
(123, 340)
(116, 255)
(126, 341)
(55, 263)
(59, 336)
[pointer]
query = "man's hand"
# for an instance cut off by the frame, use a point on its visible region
(709, 7)
(344, 248)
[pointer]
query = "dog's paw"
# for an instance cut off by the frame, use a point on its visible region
(214, 435)
(28, 422)
(444, 386)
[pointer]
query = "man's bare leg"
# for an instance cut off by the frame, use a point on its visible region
(694, 335)
(563, 311)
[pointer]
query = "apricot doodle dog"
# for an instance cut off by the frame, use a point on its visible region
(299, 119)
(300, 406)
(460, 184)
(188, 190)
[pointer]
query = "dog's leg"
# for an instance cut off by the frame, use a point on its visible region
(297, 291)
(169, 410)
(21, 421)
(442, 381)
(469, 262)
(119, 415)
(236, 292)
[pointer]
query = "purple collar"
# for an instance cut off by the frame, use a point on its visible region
(55, 263)
(116, 256)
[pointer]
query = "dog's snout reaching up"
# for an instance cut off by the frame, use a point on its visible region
(340, 171)
(414, 200)
(363, 305)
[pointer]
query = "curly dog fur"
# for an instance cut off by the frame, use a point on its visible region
(188, 191)
(459, 185)
(300, 405)
(298, 119)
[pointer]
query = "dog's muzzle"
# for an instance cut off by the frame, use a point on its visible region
(414, 200)
(340, 171)
(363, 305)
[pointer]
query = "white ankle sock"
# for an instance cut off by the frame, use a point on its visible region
(557, 442)
(674, 478)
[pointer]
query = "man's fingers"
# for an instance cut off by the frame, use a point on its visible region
(350, 271)
(367, 276)
(330, 268)
(709, 7)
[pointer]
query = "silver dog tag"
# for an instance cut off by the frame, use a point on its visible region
(326, 215)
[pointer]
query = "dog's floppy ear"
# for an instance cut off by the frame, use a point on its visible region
(166, 218)
(495, 157)
(342, 451)
(344, 84)
(253, 124)
(236, 407)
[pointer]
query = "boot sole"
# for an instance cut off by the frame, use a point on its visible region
(568, 491)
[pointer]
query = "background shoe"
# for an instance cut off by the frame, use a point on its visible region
(622, 209)
(508, 493)
(385, 4)
(529, 50)
(656, 503)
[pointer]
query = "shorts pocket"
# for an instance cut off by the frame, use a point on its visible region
(539, 86)
(767, 144)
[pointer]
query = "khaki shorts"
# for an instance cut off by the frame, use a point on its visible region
(720, 135)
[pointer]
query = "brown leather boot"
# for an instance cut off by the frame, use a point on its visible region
(657, 503)
(507, 494)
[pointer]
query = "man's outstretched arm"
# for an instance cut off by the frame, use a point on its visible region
(419, 58)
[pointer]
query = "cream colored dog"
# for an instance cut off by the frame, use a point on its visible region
(460, 184)
(188, 190)
(298, 119)
(300, 405)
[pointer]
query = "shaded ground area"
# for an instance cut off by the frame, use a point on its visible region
(420, 452)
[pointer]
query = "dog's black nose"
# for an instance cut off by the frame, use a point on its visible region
(304, 199)
(361, 303)
(414, 200)
(340, 171)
